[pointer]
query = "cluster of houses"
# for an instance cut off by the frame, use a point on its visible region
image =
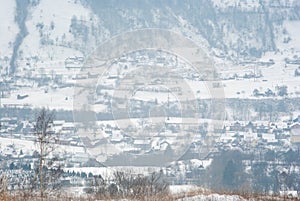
(231, 134)
(251, 132)
(234, 135)
(280, 135)
(13, 128)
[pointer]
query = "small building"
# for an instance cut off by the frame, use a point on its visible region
(68, 127)
(57, 125)
(248, 136)
(74, 62)
(295, 133)
(262, 129)
(227, 137)
(269, 137)
(142, 143)
(116, 136)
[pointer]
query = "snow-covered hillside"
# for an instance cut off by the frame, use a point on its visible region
(57, 30)
(241, 37)
(237, 30)
(8, 28)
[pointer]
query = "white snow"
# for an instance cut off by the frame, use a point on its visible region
(177, 189)
(37, 98)
(196, 193)
(46, 13)
(29, 146)
(293, 29)
(8, 27)
(215, 197)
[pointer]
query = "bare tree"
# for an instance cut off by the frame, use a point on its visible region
(45, 140)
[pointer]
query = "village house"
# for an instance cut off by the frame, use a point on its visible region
(295, 132)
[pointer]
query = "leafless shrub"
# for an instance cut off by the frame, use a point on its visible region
(130, 186)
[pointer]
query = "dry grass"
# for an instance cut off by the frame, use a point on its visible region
(24, 195)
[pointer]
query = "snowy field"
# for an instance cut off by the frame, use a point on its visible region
(28, 147)
(60, 98)
(273, 76)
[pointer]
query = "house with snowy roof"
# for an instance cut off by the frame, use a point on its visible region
(295, 132)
